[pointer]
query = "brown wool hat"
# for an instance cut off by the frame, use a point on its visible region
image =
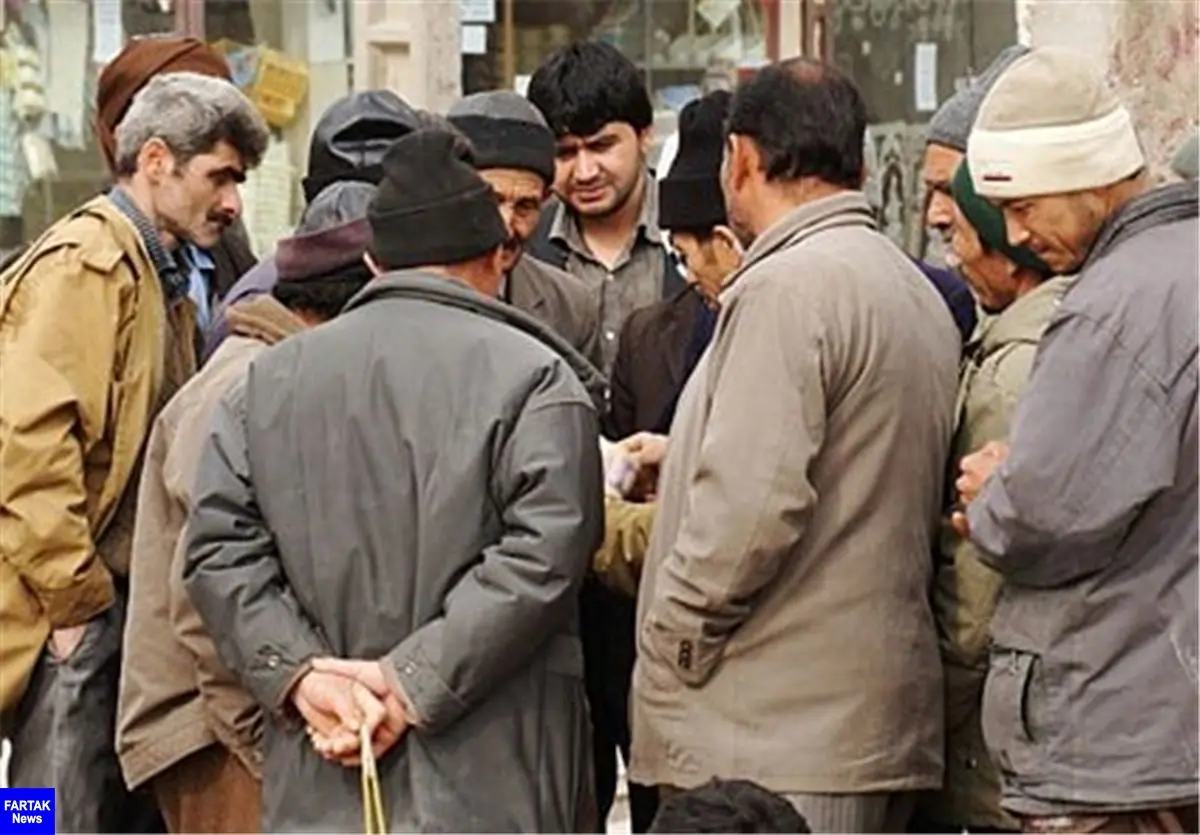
(140, 60)
(323, 254)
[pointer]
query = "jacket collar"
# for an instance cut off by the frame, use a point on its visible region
(1022, 321)
(420, 286)
(846, 209)
(1158, 207)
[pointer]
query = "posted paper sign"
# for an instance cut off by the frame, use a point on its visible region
(26, 811)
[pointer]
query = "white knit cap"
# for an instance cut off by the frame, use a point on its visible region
(1051, 125)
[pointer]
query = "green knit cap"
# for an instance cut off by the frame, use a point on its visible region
(988, 222)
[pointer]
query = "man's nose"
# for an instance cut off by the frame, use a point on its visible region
(939, 214)
(231, 201)
(585, 166)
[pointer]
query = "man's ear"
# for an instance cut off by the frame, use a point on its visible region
(743, 160)
(155, 159)
(646, 140)
(726, 247)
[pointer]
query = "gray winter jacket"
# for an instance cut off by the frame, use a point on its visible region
(1091, 697)
(418, 481)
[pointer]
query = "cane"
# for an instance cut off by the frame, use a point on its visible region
(374, 822)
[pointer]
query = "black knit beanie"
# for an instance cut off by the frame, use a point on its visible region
(506, 132)
(431, 208)
(690, 197)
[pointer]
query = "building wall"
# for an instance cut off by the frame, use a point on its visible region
(1150, 48)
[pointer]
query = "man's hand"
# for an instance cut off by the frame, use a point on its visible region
(335, 711)
(646, 451)
(976, 469)
(368, 677)
(65, 641)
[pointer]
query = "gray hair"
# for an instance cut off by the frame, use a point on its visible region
(190, 113)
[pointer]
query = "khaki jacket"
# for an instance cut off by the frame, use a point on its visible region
(784, 627)
(995, 371)
(176, 697)
(88, 351)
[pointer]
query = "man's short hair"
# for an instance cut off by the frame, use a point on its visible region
(808, 120)
(190, 113)
(585, 86)
(727, 806)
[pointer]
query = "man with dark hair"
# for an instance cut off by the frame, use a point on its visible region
(604, 226)
(347, 146)
(801, 494)
(406, 499)
(173, 686)
(514, 152)
(728, 806)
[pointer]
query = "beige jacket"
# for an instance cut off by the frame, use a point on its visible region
(88, 352)
(176, 697)
(784, 627)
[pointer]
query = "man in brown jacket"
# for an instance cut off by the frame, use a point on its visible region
(784, 627)
(95, 334)
(185, 725)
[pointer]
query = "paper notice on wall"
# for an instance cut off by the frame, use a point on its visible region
(66, 65)
(521, 83)
(327, 32)
(477, 11)
(925, 77)
(108, 34)
(474, 39)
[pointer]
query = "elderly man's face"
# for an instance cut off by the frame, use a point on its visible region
(1059, 228)
(990, 274)
(520, 194)
(940, 164)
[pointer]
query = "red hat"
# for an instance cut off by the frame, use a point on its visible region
(140, 60)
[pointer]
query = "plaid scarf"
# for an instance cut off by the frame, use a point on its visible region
(174, 280)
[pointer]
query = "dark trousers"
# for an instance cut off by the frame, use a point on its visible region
(607, 623)
(64, 732)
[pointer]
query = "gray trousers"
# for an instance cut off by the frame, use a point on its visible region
(64, 736)
(855, 812)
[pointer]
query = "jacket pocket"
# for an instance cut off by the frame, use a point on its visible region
(1009, 709)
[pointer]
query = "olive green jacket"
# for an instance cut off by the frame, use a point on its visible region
(996, 366)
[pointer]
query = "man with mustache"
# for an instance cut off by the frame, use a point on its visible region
(514, 154)
(96, 333)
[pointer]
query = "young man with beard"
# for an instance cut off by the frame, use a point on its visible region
(96, 334)
(799, 499)
(414, 488)
(1089, 514)
(603, 227)
(173, 686)
(514, 153)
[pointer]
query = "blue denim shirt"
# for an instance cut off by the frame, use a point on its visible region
(198, 265)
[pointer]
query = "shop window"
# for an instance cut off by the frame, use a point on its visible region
(51, 53)
(684, 47)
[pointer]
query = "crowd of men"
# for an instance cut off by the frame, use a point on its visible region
(519, 459)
